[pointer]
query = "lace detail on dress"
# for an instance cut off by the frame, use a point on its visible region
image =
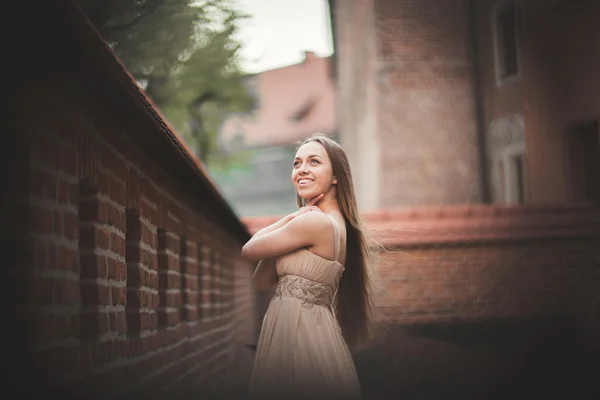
(306, 290)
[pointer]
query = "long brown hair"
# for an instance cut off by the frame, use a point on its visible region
(354, 303)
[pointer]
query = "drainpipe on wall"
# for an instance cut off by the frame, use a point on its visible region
(332, 25)
(484, 183)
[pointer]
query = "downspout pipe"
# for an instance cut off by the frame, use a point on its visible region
(484, 182)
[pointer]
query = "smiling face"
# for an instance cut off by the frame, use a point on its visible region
(312, 174)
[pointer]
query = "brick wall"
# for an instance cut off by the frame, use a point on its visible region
(130, 279)
(488, 263)
(133, 280)
(418, 81)
(500, 101)
(405, 68)
(534, 111)
(356, 102)
(426, 104)
(467, 264)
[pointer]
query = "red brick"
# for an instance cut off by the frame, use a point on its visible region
(173, 299)
(150, 279)
(71, 226)
(93, 266)
(171, 280)
(120, 271)
(191, 282)
(147, 236)
(190, 314)
(118, 322)
(67, 292)
(117, 190)
(95, 294)
(113, 216)
(173, 319)
(148, 321)
(119, 296)
(68, 259)
(102, 181)
(111, 268)
(117, 244)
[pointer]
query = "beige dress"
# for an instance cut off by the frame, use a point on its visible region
(301, 351)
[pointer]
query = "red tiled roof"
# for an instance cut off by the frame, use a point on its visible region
(284, 93)
(469, 223)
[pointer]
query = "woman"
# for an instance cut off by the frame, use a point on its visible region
(318, 257)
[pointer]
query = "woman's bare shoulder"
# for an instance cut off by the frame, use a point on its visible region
(312, 221)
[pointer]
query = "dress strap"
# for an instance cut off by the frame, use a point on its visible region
(336, 238)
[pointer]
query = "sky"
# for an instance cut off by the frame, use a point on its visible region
(279, 31)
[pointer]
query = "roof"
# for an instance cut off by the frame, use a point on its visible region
(293, 103)
(427, 226)
(175, 153)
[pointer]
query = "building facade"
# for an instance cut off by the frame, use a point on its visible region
(293, 102)
(446, 103)
(472, 130)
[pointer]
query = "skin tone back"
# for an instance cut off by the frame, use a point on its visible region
(308, 228)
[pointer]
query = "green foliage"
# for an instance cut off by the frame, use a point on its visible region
(185, 54)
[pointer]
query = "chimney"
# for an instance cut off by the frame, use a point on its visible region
(309, 55)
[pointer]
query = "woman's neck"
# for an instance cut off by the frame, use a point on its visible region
(329, 204)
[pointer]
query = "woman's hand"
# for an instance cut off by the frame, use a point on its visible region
(283, 221)
(307, 228)
(289, 233)
(311, 206)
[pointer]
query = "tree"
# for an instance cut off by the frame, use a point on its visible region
(185, 54)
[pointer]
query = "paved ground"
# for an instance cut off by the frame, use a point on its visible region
(509, 363)
(409, 366)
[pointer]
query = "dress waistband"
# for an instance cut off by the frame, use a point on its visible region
(304, 289)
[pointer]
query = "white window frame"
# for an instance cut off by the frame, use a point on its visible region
(499, 7)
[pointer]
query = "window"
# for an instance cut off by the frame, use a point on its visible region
(513, 167)
(584, 163)
(506, 41)
(519, 167)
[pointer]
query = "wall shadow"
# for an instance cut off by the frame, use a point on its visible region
(491, 359)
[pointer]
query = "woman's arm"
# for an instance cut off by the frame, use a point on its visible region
(311, 206)
(265, 274)
(274, 226)
(305, 230)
